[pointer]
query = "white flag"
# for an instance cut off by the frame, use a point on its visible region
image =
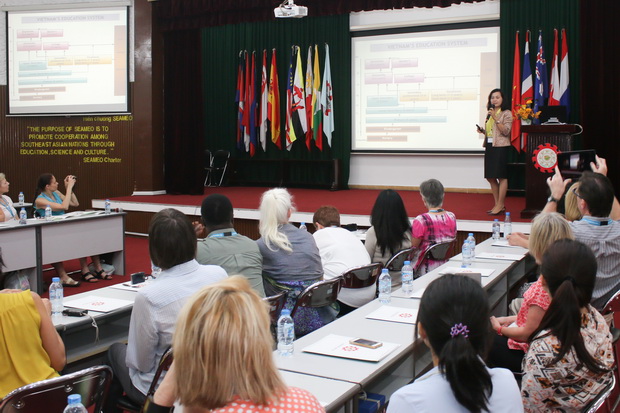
(327, 100)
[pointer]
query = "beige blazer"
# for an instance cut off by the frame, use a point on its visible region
(499, 139)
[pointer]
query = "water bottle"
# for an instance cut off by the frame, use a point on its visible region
(108, 207)
(56, 294)
(507, 225)
(496, 230)
(48, 213)
(20, 198)
(472, 245)
(75, 404)
(385, 287)
(286, 333)
(22, 216)
(407, 278)
(466, 254)
(303, 226)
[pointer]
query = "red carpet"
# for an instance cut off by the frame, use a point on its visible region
(352, 201)
(136, 259)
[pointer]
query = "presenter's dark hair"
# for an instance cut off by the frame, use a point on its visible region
(447, 302)
(172, 240)
(569, 270)
(390, 221)
(598, 192)
(216, 210)
(505, 103)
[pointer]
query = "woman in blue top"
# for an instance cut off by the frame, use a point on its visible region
(47, 193)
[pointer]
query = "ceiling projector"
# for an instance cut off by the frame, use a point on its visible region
(288, 9)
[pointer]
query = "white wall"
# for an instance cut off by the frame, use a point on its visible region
(454, 171)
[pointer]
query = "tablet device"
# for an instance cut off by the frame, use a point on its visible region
(573, 163)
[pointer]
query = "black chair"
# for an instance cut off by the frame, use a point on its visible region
(219, 163)
(51, 395)
(438, 252)
(276, 304)
(361, 277)
(398, 260)
(319, 294)
(208, 160)
(127, 404)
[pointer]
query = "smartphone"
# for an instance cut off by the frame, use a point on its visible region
(69, 312)
(138, 277)
(479, 128)
(573, 163)
(362, 342)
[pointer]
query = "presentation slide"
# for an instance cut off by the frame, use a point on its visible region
(423, 91)
(70, 61)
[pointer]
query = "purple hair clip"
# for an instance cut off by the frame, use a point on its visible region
(459, 329)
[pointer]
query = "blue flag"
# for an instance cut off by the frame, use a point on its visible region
(541, 83)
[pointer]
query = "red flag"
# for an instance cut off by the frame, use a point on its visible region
(515, 132)
(246, 111)
(264, 92)
(240, 98)
(273, 102)
(253, 104)
(554, 88)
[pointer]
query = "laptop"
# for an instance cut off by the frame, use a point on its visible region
(552, 114)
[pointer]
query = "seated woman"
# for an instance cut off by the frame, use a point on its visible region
(32, 350)
(390, 231)
(435, 226)
(458, 339)
(571, 210)
(47, 193)
(223, 357)
(7, 210)
(291, 260)
(570, 356)
(513, 332)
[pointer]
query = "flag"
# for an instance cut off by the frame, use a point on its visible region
(290, 131)
(317, 113)
(246, 108)
(240, 98)
(541, 82)
(309, 98)
(298, 115)
(527, 90)
(515, 131)
(273, 102)
(554, 88)
(564, 78)
(264, 92)
(327, 99)
(253, 107)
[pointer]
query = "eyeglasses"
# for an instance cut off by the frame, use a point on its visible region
(576, 194)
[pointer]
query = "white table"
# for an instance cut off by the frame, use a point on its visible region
(332, 394)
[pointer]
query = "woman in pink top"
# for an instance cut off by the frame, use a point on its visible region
(511, 342)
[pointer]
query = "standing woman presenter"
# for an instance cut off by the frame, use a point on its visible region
(497, 145)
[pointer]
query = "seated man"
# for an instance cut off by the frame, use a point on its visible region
(341, 250)
(172, 247)
(597, 228)
(223, 246)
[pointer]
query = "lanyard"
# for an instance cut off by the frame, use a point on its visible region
(8, 207)
(595, 222)
(222, 234)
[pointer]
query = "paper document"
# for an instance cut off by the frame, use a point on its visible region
(396, 314)
(504, 243)
(485, 272)
(496, 256)
(128, 286)
(100, 304)
(339, 346)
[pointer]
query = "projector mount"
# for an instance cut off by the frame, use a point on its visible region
(288, 9)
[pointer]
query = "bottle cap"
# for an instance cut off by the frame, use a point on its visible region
(507, 214)
(496, 220)
(74, 398)
(23, 209)
(384, 271)
(471, 234)
(285, 311)
(56, 279)
(407, 263)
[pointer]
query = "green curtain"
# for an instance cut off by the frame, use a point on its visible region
(221, 47)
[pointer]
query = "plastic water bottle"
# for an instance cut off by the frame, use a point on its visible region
(466, 254)
(48, 213)
(108, 207)
(286, 333)
(472, 245)
(75, 404)
(385, 287)
(507, 225)
(56, 294)
(496, 229)
(303, 226)
(22, 216)
(20, 198)
(407, 277)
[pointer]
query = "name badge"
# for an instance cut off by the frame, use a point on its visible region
(490, 140)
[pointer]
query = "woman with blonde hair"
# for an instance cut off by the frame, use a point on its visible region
(223, 356)
(571, 210)
(291, 259)
(513, 332)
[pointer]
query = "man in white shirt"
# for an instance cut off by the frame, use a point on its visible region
(341, 250)
(172, 246)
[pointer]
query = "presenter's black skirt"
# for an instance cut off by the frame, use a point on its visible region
(496, 161)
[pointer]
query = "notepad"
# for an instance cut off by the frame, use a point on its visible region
(100, 304)
(340, 346)
(485, 272)
(394, 314)
(504, 257)
(128, 286)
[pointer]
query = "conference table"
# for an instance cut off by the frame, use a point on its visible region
(27, 248)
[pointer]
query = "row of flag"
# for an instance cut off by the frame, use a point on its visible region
(309, 102)
(542, 91)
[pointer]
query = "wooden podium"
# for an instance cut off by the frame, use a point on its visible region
(540, 137)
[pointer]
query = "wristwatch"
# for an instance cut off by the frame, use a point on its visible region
(552, 199)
